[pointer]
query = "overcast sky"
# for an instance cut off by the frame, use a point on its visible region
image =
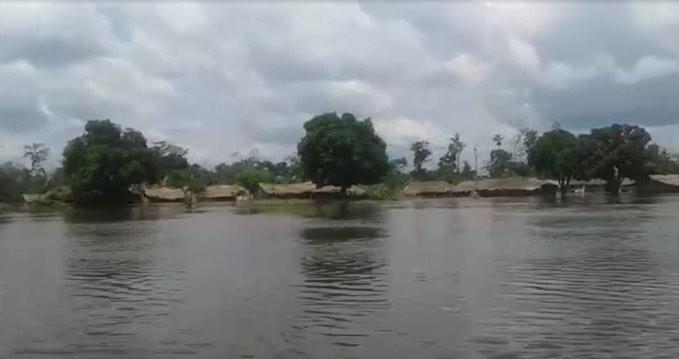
(227, 77)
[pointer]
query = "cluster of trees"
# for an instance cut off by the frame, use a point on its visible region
(106, 162)
(610, 153)
(16, 179)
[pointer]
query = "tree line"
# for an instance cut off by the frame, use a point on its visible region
(108, 163)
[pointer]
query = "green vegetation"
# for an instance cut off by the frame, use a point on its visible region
(554, 155)
(104, 162)
(615, 152)
(421, 153)
(342, 151)
(252, 177)
(184, 179)
(108, 163)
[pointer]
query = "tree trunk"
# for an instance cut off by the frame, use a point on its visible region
(613, 185)
(565, 186)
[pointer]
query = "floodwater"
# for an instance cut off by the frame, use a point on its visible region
(450, 278)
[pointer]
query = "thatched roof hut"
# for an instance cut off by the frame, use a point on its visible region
(428, 188)
(513, 186)
(664, 183)
(291, 190)
(304, 190)
(222, 192)
(32, 198)
(164, 194)
(334, 191)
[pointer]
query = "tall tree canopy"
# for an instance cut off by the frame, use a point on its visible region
(105, 161)
(554, 155)
(342, 151)
(615, 152)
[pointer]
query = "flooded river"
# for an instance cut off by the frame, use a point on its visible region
(453, 278)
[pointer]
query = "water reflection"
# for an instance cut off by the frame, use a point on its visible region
(462, 278)
(149, 212)
(344, 270)
(336, 210)
(122, 284)
(591, 285)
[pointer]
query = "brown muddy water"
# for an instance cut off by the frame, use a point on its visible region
(454, 278)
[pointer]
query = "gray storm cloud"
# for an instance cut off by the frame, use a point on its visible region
(226, 77)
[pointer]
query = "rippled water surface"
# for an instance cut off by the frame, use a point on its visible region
(454, 278)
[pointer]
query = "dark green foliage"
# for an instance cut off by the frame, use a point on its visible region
(279, 172)
(554, 155)
(530, 138)
(106, 161)
(166, 157)
(467, 172)
(342, 151)
(499, 165)
(184, 179)
(660, 161)
(251, 178)
(15, 180)
(421, 153)
(447, 165)
(615, 152)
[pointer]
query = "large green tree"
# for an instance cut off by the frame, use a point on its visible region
(105, 161)
(554, 155)
(342, 151)
(614, 153)
(500, 159)
(447, 166)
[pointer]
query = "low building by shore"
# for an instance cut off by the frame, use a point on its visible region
(428, 189)
(285, 190)
(304, 190)
(222, 192)
(164, 194)
(211, 193)
(515, 186)
(663, 184)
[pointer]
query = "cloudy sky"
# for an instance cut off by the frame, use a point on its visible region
(228, 77)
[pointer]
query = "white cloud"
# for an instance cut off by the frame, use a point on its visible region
(647, 68)
(467, 68)
(524, 54)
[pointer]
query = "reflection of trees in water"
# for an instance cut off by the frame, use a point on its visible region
(593, 282)
(344, 270)
(333, 210)
(125, 213)
(119, 281)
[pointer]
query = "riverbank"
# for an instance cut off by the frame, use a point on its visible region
(307, 191)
